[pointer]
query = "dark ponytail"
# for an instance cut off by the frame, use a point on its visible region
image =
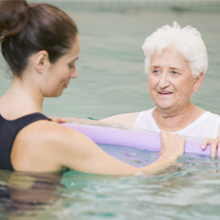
(29, 28)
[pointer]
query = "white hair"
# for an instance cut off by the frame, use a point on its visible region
(187, 41)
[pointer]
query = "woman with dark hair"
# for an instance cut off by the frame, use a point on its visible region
(40, 43)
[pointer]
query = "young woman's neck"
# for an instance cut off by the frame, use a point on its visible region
(23, 97)
(178, 120)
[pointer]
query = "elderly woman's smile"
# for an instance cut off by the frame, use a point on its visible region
(170, 80)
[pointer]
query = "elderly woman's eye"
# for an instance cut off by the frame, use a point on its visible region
(175, 73)
(156, 71)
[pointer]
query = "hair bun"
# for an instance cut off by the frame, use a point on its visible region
(13, 17)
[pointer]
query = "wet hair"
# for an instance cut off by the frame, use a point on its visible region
(26, 29)
(187, 41)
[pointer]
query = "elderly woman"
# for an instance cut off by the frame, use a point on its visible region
(176, 61)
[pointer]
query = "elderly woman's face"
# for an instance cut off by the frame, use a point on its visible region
(170, 80)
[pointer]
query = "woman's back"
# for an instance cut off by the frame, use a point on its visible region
(9, 130)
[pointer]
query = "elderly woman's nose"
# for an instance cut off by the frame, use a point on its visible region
(164, 80)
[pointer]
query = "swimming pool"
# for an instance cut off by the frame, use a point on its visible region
(112, 81)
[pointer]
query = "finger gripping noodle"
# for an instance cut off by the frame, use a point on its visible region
(127, 138)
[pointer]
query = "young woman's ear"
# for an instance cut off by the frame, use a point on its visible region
(41, 61)
(198, 82)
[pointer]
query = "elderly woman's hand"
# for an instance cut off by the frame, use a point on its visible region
(172, 143)
(215, 143)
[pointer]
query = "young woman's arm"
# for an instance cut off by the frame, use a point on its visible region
(54, 146)
(87, 157)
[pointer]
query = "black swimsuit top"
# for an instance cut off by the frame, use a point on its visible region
(8, 133)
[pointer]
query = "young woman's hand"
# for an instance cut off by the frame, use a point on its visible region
(57, 120)
(172, 144)
(215, 146)
(172, 147)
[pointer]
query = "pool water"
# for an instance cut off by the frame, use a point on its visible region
(112, 81)
(189, 190)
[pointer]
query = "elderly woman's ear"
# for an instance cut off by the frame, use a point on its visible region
(198, 82)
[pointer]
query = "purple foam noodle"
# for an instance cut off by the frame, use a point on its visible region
(128, 138)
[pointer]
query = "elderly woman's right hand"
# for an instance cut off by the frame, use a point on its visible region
(172, 144)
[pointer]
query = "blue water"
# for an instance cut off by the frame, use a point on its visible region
(112, 81)
(189, 190)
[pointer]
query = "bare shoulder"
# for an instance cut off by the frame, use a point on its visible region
(40, 146)
(44, 131)
(127, 119)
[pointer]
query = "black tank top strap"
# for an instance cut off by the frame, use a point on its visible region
(8, 132)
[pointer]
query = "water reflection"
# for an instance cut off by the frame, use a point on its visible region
(188, 190)
(22, 192)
